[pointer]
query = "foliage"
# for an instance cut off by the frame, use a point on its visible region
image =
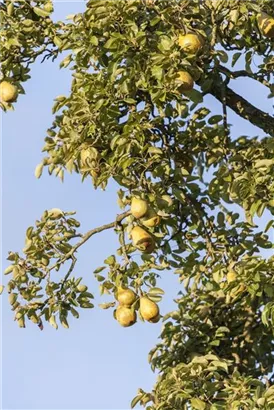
(127, 120)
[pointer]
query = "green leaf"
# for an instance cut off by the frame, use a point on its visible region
(38, 170)
(198, 404)
(235, 58)
(195, 96)
(8, 270)
(41, 12)
(100, 269)
(94, 40)
(156, 291)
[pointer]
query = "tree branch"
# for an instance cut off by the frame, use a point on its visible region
(87, 236)
(243, 73)
(245, 109)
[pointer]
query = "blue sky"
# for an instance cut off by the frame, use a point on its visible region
(95, 364)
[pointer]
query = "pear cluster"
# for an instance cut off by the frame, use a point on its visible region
(149, 218)
(192, 44)
(125, 313)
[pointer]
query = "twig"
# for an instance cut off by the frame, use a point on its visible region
(87, 236)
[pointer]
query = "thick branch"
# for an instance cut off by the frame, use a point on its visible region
(245, 109)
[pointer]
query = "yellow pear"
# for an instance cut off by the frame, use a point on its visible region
(8, 92)
(148, 309)
(126, 297)
(151, 219)
(190, 43)
(142, 240)
(138, 207)
(266, 24)
(125, 316)
(185, 80)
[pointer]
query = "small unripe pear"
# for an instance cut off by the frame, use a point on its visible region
(185, 80)
(151, 219)
(126, 297)
(148, 309)
(142, 240)
(190, 43)
(125, 316)
(8, 92)
(266, 24)
(138, 207)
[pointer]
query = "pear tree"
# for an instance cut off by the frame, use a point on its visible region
(137, 116)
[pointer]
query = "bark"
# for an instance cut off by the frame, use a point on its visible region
(245, 109)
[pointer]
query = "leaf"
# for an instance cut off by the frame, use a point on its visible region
(1, 289)
(41, 12)
(94, 40)
(136, 400)
(74, 312)
(156, 291)
(100, 269)
(38, 170)
(198, 404)
(215, 119)
(110, 260)
(58, 42)
(107, 305)
(52, 321)
(223, 56)
(235, 58)
(195, 96)
(8, 270)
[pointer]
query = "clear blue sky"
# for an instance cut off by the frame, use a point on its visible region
(95, 364)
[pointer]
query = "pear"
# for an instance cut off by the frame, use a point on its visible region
(185, 81)
(266, 24)
(148, 309)
(190, 43)
(125, 316)
(151, 219)
(139, 207)
(8, 92)
(126, 297)
(142, 240)
(155, 319)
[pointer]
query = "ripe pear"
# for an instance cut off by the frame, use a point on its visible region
(190, 43)
(8, 92)
(142, 240)
(185, 80)
(151, 219)
(139, 207)
(266, 24)
(148, 309)
(126, 297)
(125, 316)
